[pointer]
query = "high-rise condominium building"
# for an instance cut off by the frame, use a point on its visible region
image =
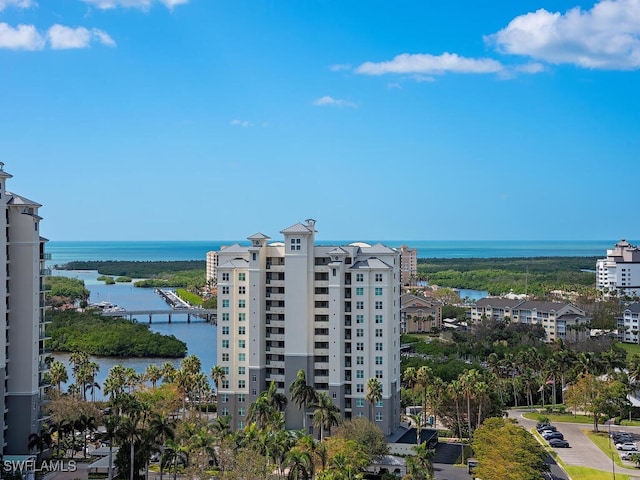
(22, 341)
(331, 311)
(408, 266)
(619, 272)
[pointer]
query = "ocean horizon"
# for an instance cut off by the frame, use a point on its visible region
(172, 250)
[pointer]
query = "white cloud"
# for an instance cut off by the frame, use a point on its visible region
(16, 3)
(22, 37)
(333, 102)
(61, 37)
(241, 123)
(605, 37)
(424, 63)
(339, 67)
(140, 4)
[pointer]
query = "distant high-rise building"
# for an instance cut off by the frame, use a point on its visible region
(408, 266)
(212, 266)
(619, 272)
(22, 319)
(331, 311)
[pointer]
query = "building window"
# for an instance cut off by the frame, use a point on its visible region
(378, 291)
(360, 387)
(242, 357)
(379, 404)
(225, 384)
(379, 305)
(242, 317)
(378, 360)
(224, 412)
(224, 398)
(379, 332)
(225, 317)
(360, 332)
(360, 346)
(225, 290)
(295, 244)
(225, 343)
(225, 357)
(379, 374)
(241, 344)
(241, 412)
(225, 370)
(359, 277)
(242, 370)
(359, 291)
(225, 277)
(241, 398)
(359, 415)
(359, 318)
(241, 277)
(359, 360)
(225, 303)
(242, 303)
(242, 290)
(241, 384)
(378, 416)
(254, 378)
(359, 373)
(243, 330)
(378, 319)
(378, 277)
(359, 402)
(378, 346)
(225, 330)
(359, 305)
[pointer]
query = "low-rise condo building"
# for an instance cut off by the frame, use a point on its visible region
(560, 320)
(628, 328)
(419, 314)
(330, 311)
(22, 320)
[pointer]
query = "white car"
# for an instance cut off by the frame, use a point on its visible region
(627, 446)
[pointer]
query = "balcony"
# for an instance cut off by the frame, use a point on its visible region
(45, 256)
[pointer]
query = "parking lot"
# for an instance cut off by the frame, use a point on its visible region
(582, 451)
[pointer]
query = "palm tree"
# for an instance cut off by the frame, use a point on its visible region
(153, 374)
(58, 374)
(173, 455)
(217, 374)
(564, 361)
(374, 393)
(39, 442)
(455, 391)
(85, 424)
(162, 427)
(325, 413)
(111, 424)
(302, 395)
(201, 445)
(300, 464)
(468, 382)
(423, 379)
(168, 371)
(191, 364)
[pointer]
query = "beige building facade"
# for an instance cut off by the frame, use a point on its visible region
(331, 311)
(22, 320)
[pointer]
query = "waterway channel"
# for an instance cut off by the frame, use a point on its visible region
(200, 337)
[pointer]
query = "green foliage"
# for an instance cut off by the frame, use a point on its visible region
(94, 334)
(506, 450)
(184, 279)
(135, 269)
(106, 279)
(123, 279)
(210, 303)
(71, 288)
(537, 276)
(365, 433)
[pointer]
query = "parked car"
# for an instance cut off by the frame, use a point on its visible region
(627, 456)
(558, 443)
(627, 446)
(548, 428)
(542, 426)
(622, 438)
(552, 435)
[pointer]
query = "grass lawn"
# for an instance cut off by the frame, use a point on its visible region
(555, 418)
(631, 348)
(629, 423)
(584, 473)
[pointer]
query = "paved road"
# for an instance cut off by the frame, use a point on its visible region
(583, 452)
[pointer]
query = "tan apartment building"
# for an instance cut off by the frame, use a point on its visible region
(419, 314)
(331, 311)
(22, 320)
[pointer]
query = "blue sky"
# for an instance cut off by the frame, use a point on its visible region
(215, 119)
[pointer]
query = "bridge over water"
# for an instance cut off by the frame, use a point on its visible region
(199, 314)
